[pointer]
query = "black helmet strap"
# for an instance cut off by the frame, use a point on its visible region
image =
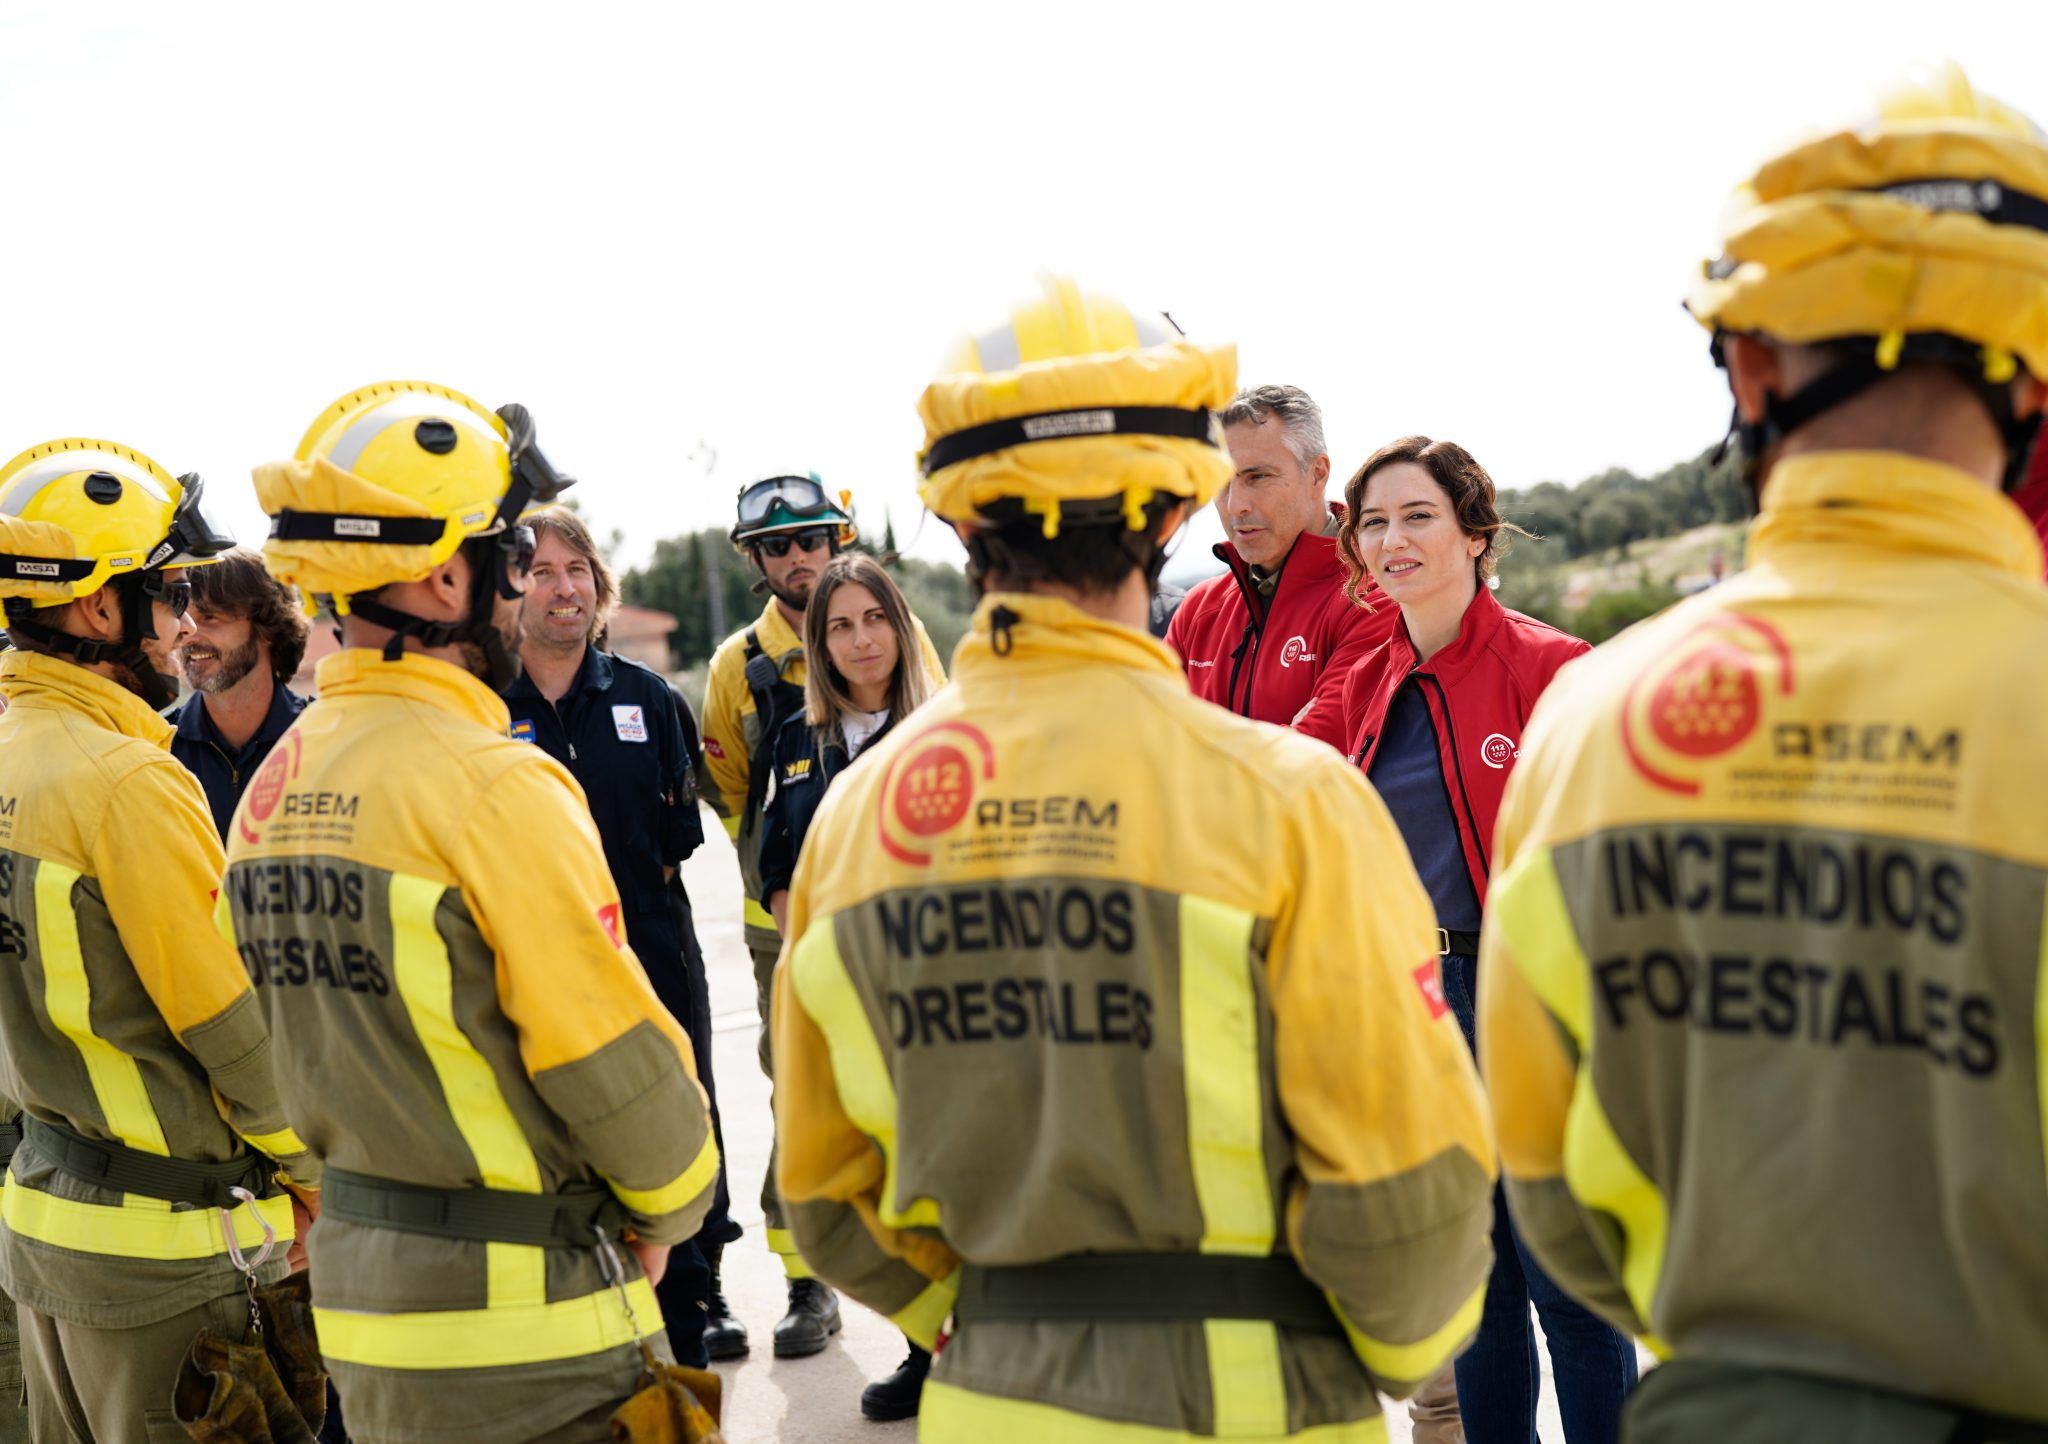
(1857, 373)
(135, 594)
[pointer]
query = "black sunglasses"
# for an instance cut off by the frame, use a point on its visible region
(810, 539)
(177, 595)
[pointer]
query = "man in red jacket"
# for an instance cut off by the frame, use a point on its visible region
(1275, 636)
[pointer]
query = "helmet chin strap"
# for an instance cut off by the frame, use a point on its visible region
(1854, 375)
(489, 579)
(158, 689)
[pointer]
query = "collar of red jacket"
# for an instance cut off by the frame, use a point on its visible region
(1893, 502)
(1476, 629)
(363, 672)
(1312, 559)
(1045, 629)
(55, 685)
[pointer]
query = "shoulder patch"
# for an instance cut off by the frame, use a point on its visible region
(522, 729)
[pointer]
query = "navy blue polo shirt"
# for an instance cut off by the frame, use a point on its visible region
(222, 770)
(1408, 773)
(618, 730)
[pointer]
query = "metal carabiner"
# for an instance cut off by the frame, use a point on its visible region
(247, 1268)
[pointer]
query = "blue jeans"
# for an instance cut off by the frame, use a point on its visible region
(1498, 1377)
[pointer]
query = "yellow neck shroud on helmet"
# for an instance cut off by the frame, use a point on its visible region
(1075, 401)
(1930, 220)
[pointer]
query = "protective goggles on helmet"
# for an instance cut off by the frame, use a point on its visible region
(800, 496)
(194, 536)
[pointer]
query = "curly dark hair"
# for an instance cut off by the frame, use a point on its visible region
(1466, 485)
(238, 586)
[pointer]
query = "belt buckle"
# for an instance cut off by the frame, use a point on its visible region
(1443, 943)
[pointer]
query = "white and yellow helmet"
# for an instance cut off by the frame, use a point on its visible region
(75, 514)
(1075, 402)
(390, 480)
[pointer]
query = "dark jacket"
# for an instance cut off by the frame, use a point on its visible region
(223, 771)
(618, 730)
(802, 771)
(1282, 660)
(1479, 691)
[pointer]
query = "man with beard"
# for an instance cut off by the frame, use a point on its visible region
(788, 528)
(248, 637)
(462, 1031)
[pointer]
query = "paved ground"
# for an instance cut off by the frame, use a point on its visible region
(814, 1400)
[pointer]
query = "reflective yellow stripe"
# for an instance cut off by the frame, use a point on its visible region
(116, 1078)
(531, 1333)
(2041, 1018)
(1220, 1048)
(754, 915)
(866, 1091)
(923, 1317)
(780, 1240)
(1412, 1363)
(683, 1189)
(276, 1145)
(948, 1412)
(1527, 903)
(793, 1266)
(516, 1273)
(732, 826)
(1244, 1378)
(1220, 1072)
(224, 917)
(140, 1228)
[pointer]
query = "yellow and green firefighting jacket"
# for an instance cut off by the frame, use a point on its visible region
(1082, 964)
(732, 731)
(438, 948)
(1762, 974)
(123, 1016)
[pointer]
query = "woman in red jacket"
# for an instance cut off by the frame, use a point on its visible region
(1435, 718)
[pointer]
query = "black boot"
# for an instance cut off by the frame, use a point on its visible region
(896, 1396)
(725, 1337)
(812, 1319)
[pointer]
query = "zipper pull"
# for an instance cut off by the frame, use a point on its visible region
(572, 751)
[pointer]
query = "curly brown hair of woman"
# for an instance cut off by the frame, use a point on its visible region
(1465, 483)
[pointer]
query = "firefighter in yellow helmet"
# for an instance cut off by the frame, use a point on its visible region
(462, 1034)
(1762, 972)
(128, 1032)
(1149, 1086)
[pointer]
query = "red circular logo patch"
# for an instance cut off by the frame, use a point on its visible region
(268, 787)
(1708, 704)
(930, 788)
(1703, 698)
(933, 790)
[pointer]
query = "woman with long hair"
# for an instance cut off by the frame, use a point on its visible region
(1435, 718)
(865, 675)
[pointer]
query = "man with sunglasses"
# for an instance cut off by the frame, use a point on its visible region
(128, 1029)
(787, 528)
(513, 1133)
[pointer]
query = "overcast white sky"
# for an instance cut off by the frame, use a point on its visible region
(758, 226)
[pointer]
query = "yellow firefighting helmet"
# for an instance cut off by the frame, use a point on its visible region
(390, 480)
(76, 514)
(1928, 220)
(1075, 401)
